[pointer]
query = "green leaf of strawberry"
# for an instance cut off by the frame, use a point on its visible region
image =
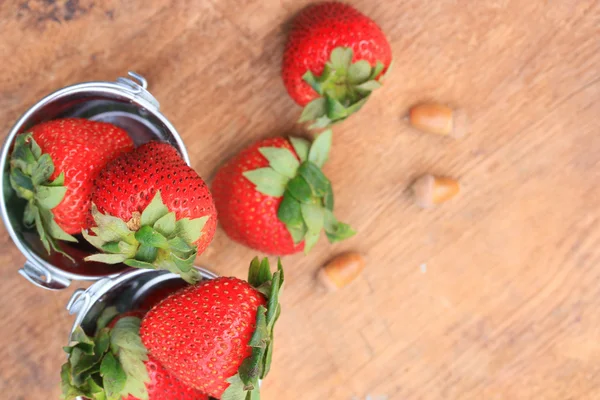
(341, 87)
(301, 147)
(30, 173)
(259, 273)
(281, 160)
(307, 203)
(319, 151)
(110, 365)
(313, 110)
(267, 181)
(298, 188)
(107, 315)
(154, 211)
(154, 239)
(113, 377)
(290, 212)
(244, 385)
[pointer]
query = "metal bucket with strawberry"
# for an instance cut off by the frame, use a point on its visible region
(132, 291)
(126, 104)
(149, 335)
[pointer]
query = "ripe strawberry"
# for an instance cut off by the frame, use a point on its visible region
(53, 167)
(163, 386)
(151, 210)
(114, 365)
(334, 58)
(273, 197)
(217, 336)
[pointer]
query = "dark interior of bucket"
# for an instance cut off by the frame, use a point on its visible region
(132, 294)
(142, 127)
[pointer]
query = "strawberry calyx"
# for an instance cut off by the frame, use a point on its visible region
(109, 365)
(307, 205)
(154, 239)
(30, 173)
(245, 384)
(343, 88)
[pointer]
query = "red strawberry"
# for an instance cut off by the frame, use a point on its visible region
(152, 211)
(113, 364)
(335, 56)
(273, 197)
(53, 167)
(217, 335)
(163, 386)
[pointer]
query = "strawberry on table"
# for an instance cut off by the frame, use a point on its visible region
(53, 167)
(273, 197)
(114, 364)
(151, 210)
(217, 336)
(334, 58)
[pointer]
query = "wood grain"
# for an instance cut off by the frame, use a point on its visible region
(493, 295)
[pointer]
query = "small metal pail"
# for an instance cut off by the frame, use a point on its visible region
(125, 103)
(125, 292)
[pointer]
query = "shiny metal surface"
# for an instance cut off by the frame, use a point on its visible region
(125, 103)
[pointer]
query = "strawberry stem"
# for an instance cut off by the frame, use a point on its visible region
(245, 384)
(30, 173)
(307, 204)
(108, 365)
(343, 88)
(156, 240)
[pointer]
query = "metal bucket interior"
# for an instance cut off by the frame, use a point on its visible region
(124, 103)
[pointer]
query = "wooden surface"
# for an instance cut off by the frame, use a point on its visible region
(494, 295)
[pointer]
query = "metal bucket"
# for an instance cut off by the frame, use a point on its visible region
(125, 103)
(124, 292)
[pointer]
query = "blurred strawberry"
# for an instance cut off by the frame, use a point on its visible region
(334, 58)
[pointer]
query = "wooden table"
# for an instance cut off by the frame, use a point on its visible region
(494, 295)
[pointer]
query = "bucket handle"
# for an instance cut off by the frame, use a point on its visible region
(42, 277)
(139, 87)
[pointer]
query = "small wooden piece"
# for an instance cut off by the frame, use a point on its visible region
(431, 190)
(438, 119)
(341, 270)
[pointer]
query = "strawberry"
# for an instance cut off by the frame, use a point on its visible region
(217, 336)
(163, 386)
(334, 58)
(151, 210)
(273, 197)
(114, 365)
(53, 167)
